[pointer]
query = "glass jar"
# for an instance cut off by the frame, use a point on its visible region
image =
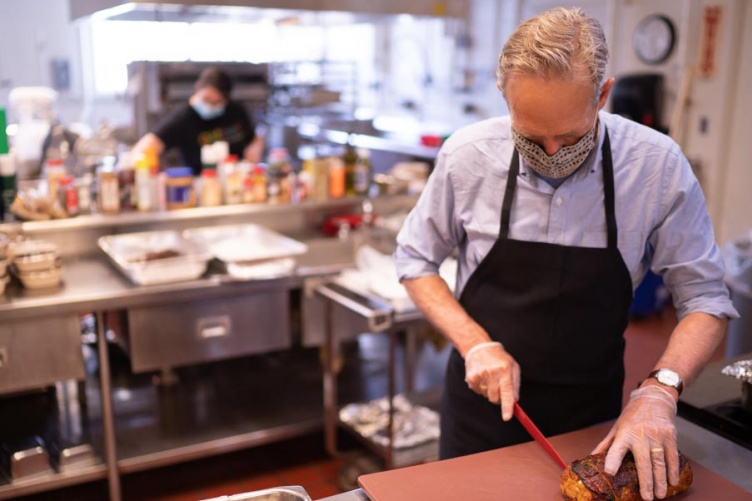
(179, 190)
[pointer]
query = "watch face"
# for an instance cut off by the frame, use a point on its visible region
(653, 39)
(669, 378)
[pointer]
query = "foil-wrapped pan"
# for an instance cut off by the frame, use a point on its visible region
(741, 370)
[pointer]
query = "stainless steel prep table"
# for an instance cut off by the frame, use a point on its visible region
(344, 307)
(92, 285)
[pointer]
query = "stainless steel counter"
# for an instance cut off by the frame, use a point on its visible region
(714, 452)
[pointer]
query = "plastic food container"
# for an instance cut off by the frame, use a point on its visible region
(179, 190)
(156, 257)
(42, 279)
(33, 255)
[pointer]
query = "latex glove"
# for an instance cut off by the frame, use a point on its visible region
(492, 372)
(647, 428)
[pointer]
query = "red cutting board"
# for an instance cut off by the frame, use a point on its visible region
(520, 472)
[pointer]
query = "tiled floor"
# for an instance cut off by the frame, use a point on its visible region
(303, 461)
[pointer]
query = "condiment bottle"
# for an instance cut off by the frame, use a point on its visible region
(211, 190)
(362, 175)
(144, 186)
(179, 188)
(54, 170)
(68, 196)
(350, 159)
(109, 193)
(258, 174)
(336, 177)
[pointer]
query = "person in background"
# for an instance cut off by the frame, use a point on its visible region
(558, 210)
(210, 115)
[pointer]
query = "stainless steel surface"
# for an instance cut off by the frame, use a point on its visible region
(133, 254)
(108, 422)
(81, 8)
(92, 284)
(378, 316)
(33, 485)
(27, 459)
(714, 452)
(78, 456)
(39, 352)
(212, 329)
(354, 495)
(287, 493)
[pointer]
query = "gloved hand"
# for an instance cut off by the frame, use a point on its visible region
(646, 427)
(492, 372)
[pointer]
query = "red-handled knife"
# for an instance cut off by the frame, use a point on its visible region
(537, 435)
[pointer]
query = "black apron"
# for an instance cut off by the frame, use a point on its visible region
(561, 312)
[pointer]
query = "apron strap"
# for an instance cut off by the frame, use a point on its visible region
(608, 189)
(506, 209)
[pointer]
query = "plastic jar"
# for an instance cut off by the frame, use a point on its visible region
(211, 190)
(179, 190)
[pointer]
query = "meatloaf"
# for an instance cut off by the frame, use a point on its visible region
(585, 480)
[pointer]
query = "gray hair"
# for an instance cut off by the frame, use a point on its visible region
(560, 42)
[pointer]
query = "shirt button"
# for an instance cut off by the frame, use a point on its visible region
(559, 201)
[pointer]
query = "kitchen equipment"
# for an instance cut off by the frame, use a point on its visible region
(742, 370)
(533, 430)
(69, 457)
(289, 493)
(25, 458)
(245, 243)
(517, 472)
(156, 257)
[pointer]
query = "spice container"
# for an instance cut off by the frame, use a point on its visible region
(211, 190)
(259, 183)
(54, 170)
(83, 186)
(68, 196)
(179, 190)
(109, 193)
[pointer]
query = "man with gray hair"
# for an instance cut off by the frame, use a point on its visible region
(558, 210)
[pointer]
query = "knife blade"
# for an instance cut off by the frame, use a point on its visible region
(533, 430)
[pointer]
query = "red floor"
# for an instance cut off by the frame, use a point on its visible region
(303, 461)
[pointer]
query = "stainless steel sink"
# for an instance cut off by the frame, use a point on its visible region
(288, 493)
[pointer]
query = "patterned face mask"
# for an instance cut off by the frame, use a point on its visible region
(562, 163)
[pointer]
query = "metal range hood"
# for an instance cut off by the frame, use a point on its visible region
(251, 10)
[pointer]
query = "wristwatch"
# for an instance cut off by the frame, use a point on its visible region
(669, 378)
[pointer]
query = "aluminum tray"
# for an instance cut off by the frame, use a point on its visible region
(127, 249)
(245, 244)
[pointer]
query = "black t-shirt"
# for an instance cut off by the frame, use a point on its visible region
(185, 130)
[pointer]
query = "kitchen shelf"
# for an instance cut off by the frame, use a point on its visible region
(408, 456)
(214, 408)
(36, 484)
(132, 218)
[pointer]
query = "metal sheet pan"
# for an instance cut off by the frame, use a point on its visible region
(128, 252)
(245, 243)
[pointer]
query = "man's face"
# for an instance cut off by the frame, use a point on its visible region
(553, 113)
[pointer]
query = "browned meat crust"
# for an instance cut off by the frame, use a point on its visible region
(585, 480)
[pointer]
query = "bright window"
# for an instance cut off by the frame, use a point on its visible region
(115, 44)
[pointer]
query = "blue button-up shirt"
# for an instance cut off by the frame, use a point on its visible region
(660, 209)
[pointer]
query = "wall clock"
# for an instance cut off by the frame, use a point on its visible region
(653, 39)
